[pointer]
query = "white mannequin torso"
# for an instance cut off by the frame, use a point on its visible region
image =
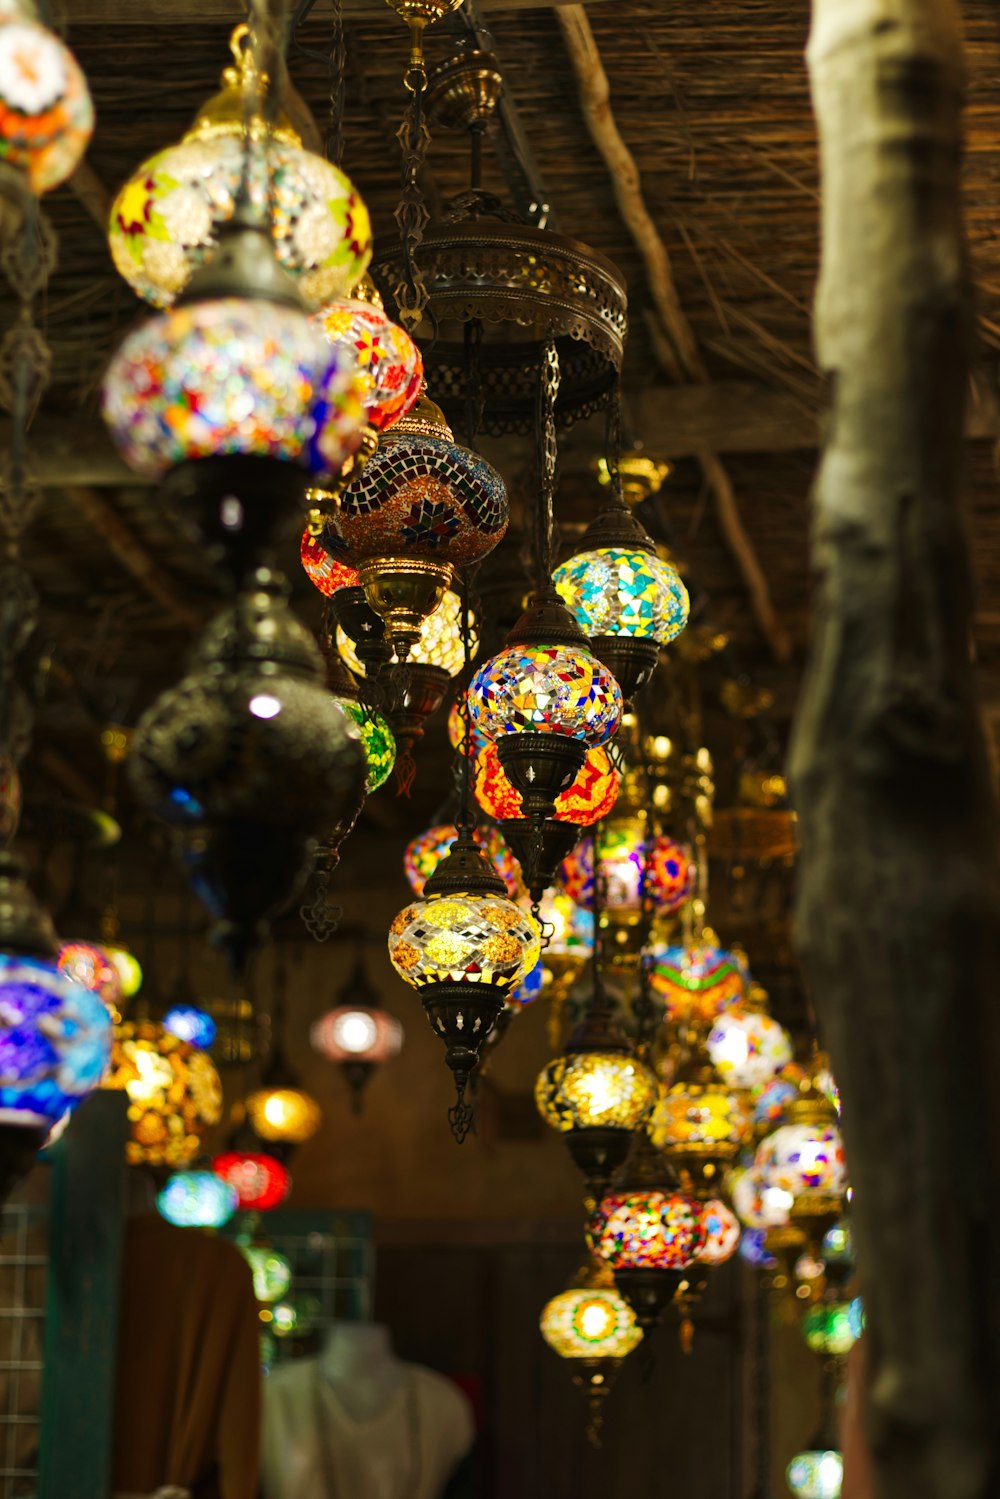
(359, 1423)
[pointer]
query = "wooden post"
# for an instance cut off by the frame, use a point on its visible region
(898, 910)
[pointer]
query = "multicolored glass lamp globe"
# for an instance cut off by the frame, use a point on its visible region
(324, 571)
(591, 797)
(261, 1182)
(805, 1158)
(280, 1111)
(746, 1046)
(545, 700)
(192, 1024)
(55, 1035)
(377, 738)
(699, 981)
(829, 1329)
(389, 370)
(197, 1199)
(87, 964)
(700, 1126)
(174, 1094)
(358, 1033)
(421, 506)
(463, 946)
(593, 1328)
(722, 1232)
(625, 599)
(597, 1094)
(424, 853)
(46, 113)
(816, 1473)
(650, 1233)
(635, 866)
(166, 221)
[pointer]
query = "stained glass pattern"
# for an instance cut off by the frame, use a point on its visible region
(377, 741)
(619, 591)
(323, 571)
(464, 938)
(557, 689)
(440, 642)
(697, 983)
(622, 851)
(747, 1048)
(758, 1204)
(771, 1100)
(174, 1094)
(590, 1322)
(55, 1038)
(698, 1117)
(230, 376)
(426, 497)
(722, 1233)
(591, 796)
(165, 220)
(595, 1089)
(389, 368)
(46, 113)
(650, 1230)
(804, 1160)
(570, 928)
(424, 853)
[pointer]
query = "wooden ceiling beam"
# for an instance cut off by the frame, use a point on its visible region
(200, 12)
(726, 416)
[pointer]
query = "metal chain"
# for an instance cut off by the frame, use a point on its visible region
(338, 76)
(412, 214)
(613, 448)
(319, 917)
(548, 457)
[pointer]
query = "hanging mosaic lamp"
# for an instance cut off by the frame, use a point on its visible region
(829, 1329)
(234, 397)
(55, 1034)
(167, 221)
(251, 760)
(322, 569)
(593, 1328)
(545, 699)
(758, 1204)
(421, 506)
(597, 1094)
(700, 1127)
(192, 1024)
(568, 931)
(698, 981)
(389, 369)
(722, 1233)
(197, 1199)
(261, 1182)
(817, 1473)
(805, 1158)
(625, 599)
(92, 966)
(770, 1101)
(634, 867)
(746, 1046)
(464, 946)
(280, 1111)
(358, 1033)
(649, 1233)
(46, 113)
(424, 853)
(174, 1094)
(591, 796)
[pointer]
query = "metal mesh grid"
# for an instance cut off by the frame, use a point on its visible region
(332, 1262)
(23, 1267)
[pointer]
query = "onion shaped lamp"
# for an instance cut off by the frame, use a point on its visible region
(746, 1046)
(805, 1158)
(389, 371)
(464, 947)
(168, 219)
(698, 981)
(46, 114)
(174, 1094)
(545, 700)
(650, 1233)
(699, 1125)
(197, 1199)
(636, 869)
(358, 1033)
(597, 1094)
(421, 506)
(625, 599)
(593, 1328)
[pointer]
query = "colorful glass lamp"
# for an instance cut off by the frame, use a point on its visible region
(87, 964)
(746, 1046)
(635, 867)
(817, 1473)
(593, 1328)
(625, 599)
(700, 1126)
(261, 1182)
(46, 113)
(696, 982)
(358, 1033)
(464, 946)
(389, 367)
(197, 1199)
(166, 222)
(804, 1158)
(424, 853)
(174, 1094)
(421, 506)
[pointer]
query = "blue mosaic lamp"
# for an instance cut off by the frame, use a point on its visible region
(55, 1035)
(627, 601)
(197, 1199)
(191, 1024)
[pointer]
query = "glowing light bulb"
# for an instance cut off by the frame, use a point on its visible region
(596, 1319)
(356, 1031)
(264, 705)
(155, 1073)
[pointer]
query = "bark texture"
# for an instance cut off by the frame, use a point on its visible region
(898, 898)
